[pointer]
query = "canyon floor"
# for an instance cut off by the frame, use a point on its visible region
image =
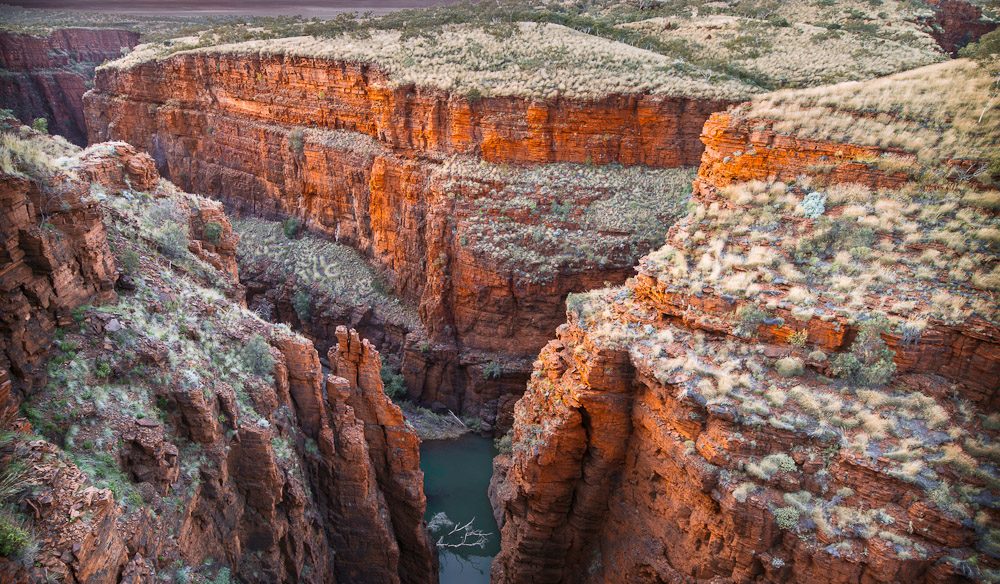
(511, 292)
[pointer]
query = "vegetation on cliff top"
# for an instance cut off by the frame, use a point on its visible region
(947, 111)
(668, 47)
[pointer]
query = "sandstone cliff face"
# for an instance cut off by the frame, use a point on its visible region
(189, 453)
(46, 76)
(237, 127)
(696, 426)
(296, 91)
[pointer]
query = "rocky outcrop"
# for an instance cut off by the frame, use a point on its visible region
(54, 258)
(46, 76)
(957, 23)
(233, 127)
(739, 149)
(264, 468)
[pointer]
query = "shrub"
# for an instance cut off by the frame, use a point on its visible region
(749, 317)
(302, 304)
(172, 240)
(869, 361)
(130, 261)
(291, 227)
(213, 232)
(392, 382)
(504, 444)
(493, 370)
(786, 517)
(813, 205)
(257, 356)
(789, 366)
(14, 539)
(103, 369)
(296, 141)
(41, 125)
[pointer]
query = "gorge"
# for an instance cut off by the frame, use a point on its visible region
(727, 320)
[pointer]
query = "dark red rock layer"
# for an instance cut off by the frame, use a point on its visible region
(46, 76)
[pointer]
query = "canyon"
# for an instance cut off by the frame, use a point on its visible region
(45, 76)
(776, 344)
(399, 202)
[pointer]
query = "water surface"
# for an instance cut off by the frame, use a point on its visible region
(456, 478)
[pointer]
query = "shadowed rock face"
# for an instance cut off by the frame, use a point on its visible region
(47, 76)
(320, 484)
(957, 23)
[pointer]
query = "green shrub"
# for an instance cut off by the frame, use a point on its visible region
(103, 369)
(14, 539)
(392, 382)
(786, 517)
(504, 444)
(291, 227)
(257, 356)
(41, 125)
(869, 362)
(749, 317)
(213, 232)
(986, 48)
(172, 240)
(493, 370)
(130, 261)
(302, 304)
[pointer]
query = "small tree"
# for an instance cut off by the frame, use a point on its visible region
(302, 304)
(257, 356)
(213, 232)
(291, 227)
(869, 362)
(40, 125)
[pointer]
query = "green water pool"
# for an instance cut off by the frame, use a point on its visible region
(456, 478)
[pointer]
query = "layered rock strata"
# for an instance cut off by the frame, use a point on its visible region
(46, 76)
(184, 437)
(799, 387)
(208, 118)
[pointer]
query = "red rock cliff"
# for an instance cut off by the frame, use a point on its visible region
(283, 476)
(692, 427)
(225, 125)
(46, 76)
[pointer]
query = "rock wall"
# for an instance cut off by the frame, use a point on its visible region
(957, 23)
(627, 466)
(46, 76)
(321, 484)
(230, 126)
(54, 258)
(300, 91)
